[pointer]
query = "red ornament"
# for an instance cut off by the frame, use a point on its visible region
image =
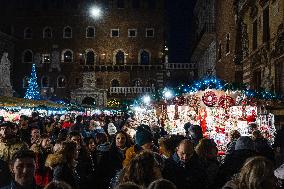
(209, 98)
(226, 101)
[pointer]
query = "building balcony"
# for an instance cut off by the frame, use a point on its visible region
(204, 38)
(118, 68)
(180, 66)
(130, 90)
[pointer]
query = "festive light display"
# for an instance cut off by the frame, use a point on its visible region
(209, 98)
(113, 103)
(33, 88)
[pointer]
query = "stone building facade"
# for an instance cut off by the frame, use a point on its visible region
(227, 67)
(204, 49)
(261, 43)
(123, 46)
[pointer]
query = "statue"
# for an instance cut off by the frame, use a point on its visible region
(55, 61)
(5, 71)
(37, 60)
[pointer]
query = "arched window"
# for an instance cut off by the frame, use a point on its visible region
(44, 82)
(144, 58)
(47, 33)
(67, 56)
(90, 57)
(119, 58)
(67, 32)
(90, 32)
(27, 56)
(25, 82)
(115, 83)
(61, 82)
(136, 83)
(28, 34)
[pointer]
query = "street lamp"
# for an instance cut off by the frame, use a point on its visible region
(95, 12)
(146, 99)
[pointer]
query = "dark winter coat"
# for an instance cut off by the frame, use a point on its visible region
(14, 185)
(190, 175)
(4, 173)
(232, 165)
(62, 170)
(263, 148)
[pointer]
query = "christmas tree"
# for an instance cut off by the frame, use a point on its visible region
(33, 88)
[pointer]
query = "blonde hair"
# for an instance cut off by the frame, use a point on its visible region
(256, 173)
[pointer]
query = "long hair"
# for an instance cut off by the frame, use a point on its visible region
(64, 155)
(127, 142)
(141, 169)
(205, 147)
(257, 173)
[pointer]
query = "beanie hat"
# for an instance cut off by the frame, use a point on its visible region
(279, 172)
(143, 135)
(111, 129)
(244, 143)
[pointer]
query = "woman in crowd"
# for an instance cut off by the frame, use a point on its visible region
(257, 173)
(63, 163)
(143, 169)
(207, 152)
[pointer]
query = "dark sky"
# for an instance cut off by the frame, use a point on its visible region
(179, 17)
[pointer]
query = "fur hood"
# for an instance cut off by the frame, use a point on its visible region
(53, 160)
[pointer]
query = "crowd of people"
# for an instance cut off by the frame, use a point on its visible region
(117, 152)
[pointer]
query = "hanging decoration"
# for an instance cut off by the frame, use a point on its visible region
(209, 98)
(225, 101)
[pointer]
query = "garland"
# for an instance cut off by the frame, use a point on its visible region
(209, 98)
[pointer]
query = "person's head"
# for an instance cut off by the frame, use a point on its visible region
(256, 135)
(121, 139)
(234, 135)
(46, 142)
(24, 121)
(144, 137)
(75, 137)
(35, 115)
(79, 119)
(22, 167)
(143, 169)
(162, 184)
(195, 132)
(207, 149)
(69, 150)
(185, 150)
(6, 130)
(101, 138)
(257, 173)
(128, 185)
(244, 143)
(90, 143)
(35, 133)
(57, 185)
(169, 144)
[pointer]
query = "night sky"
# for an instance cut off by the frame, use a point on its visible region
(179, 16)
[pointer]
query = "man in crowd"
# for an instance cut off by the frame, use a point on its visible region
(22, 167)
(184, 168)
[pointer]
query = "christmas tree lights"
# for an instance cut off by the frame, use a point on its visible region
(33, 88)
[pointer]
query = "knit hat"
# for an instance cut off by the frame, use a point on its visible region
(279, 172)
(111, 129)
(143, 135)
(244, 143)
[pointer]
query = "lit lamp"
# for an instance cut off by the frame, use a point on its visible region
(95, 12)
